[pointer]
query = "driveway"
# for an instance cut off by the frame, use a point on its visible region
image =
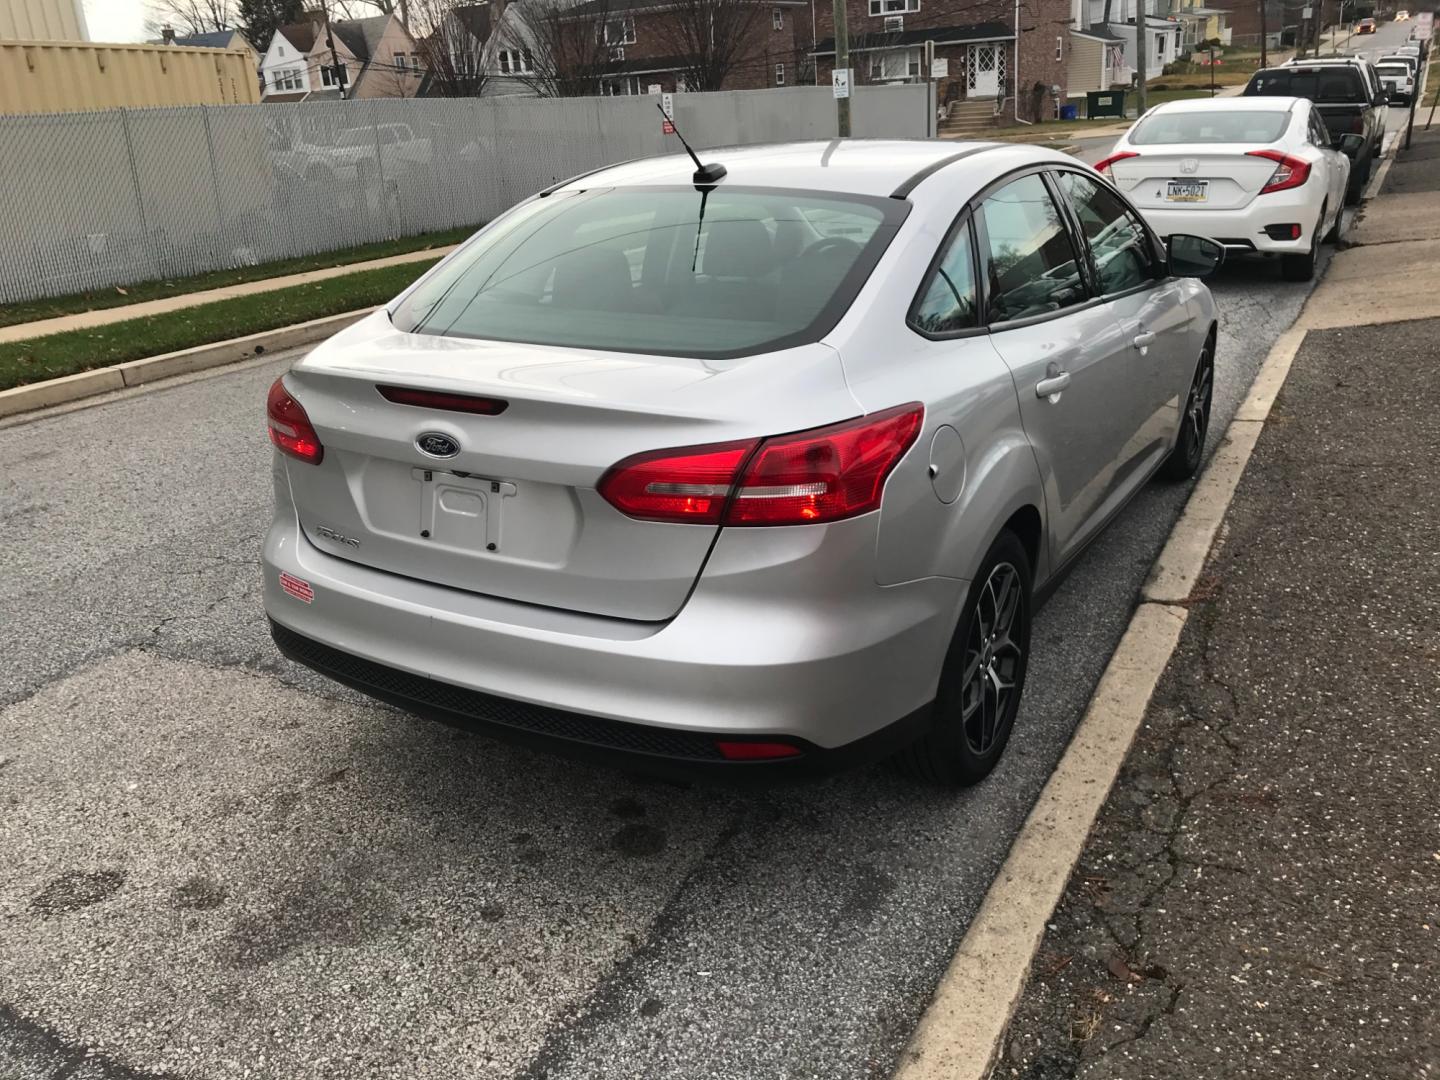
(220, 866)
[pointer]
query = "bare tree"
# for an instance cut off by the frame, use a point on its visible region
(455, 46)
(188, 17)
(710, 37)
(569, 46)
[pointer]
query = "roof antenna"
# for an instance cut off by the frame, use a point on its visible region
(704, 174)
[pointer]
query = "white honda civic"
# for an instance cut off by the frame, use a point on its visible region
(1257, 174)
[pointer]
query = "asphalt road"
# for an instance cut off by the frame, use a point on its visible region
(219, 866)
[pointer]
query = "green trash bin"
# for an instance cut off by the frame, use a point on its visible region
(1102, 103)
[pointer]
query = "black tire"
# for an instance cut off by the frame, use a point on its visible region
(974, 716)
(1184, 460)
(1336, 230)
(1299, 267)
(1359, 177)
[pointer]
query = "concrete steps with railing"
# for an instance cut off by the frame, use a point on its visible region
(968, 117)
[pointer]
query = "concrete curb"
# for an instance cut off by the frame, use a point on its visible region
(21, 399)
(961, 1033)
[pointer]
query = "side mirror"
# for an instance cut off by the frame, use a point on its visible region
(1351, 145)
(1193, 256)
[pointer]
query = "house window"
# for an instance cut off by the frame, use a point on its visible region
(619, 31)
(1159, 48)
(327, 75)
(893, 7)
(400, 62)
(779, 74)
(777, 19)
(1059, 47)
(415, 63)
(279, 50)
(516, 62)
(894, 65)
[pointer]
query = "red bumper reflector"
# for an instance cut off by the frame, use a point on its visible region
(756, 751)
(294, 586)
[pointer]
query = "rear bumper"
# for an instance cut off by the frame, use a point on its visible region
(1244, 229)
(786, 636)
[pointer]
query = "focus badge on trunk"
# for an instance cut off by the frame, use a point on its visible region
(436, 444)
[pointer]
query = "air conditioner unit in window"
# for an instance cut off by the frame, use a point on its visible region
(617, 52)
(894, 23)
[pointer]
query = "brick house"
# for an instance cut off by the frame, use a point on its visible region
(977, 38)
(645, 44)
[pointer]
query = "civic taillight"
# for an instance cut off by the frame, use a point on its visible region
(290, 428)
(824, 474)
(1290, 172)
(1103, 165)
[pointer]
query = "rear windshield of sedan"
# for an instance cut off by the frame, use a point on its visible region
(1336, 85)
(1239, 126)
(673, 271)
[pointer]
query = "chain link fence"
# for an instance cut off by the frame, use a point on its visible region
(93, 200)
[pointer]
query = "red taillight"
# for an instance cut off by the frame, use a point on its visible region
(290, 428)
(1357, 125)
(1104, 163)
(1290, 172)
(433, 399)
(690, 484)
(813, 476)
(824, 475)
(756, 751)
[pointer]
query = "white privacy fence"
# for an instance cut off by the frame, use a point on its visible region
(90, 200)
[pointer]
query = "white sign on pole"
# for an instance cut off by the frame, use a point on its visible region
(667, 102)
(940, 68)
(840, 82)
(653, 88)
(1305, 13)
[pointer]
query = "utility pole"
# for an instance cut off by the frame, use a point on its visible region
(842, 63)
(1264, 34)
(336, 70)
(1142, 48)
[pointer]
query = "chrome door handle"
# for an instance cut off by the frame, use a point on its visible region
(1144, 339)
(1053, 385)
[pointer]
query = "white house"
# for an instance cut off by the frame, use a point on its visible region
(1163, 34)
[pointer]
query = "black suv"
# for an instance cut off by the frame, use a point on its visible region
(1347, 95)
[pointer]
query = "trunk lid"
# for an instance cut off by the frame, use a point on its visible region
(1199, 176)
(514, 512)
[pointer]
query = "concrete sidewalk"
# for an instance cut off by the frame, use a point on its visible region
(86, 320)
(1261, 895)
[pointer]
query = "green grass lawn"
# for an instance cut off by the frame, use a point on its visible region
(81, 350)
(32, 310)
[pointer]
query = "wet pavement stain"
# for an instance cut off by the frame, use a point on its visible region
(76, 889)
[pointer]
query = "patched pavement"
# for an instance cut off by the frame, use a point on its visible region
(1261, 894)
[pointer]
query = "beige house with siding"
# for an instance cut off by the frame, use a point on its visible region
(379, 57)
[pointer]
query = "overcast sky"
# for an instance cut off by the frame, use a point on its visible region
(115, 20)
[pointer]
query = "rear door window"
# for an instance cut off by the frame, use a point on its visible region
(1031, 263)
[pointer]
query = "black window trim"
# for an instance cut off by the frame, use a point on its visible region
(982, 251)
(1159, 257)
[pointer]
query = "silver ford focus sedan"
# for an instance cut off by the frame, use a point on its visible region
(762, 467)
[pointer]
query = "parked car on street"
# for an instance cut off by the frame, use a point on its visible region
(1365, 26)
(1348, 96)
(764, 468)
(1255, 174)
(1398, 79)
(1402, 15)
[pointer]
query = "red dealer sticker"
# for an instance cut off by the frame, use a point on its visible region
(301, 590)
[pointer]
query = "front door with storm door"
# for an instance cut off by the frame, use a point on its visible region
(1061, 344)
(984, 63)
(1145, 303)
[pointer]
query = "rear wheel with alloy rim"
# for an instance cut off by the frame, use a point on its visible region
(984, 673)
(1184, 460)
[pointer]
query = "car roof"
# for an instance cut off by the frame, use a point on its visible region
(878, 167)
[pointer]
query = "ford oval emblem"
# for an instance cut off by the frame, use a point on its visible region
(436, 444)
